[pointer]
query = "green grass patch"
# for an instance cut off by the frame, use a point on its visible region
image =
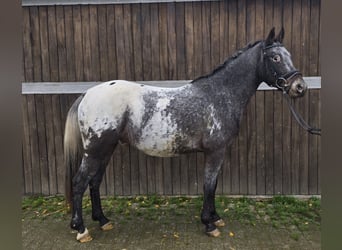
(278, 212)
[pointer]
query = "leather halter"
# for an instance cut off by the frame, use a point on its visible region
(283, 83)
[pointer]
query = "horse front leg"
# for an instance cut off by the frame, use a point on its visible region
(209, 216)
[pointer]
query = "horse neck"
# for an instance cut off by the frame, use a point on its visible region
(239, 77)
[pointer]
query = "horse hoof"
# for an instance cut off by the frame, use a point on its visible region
(215, 233)
(107, 226)
(219, 223)
(84, 237)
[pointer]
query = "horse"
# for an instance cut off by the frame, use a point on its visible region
(202, 115)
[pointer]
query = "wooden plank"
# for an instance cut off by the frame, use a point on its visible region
(137, 42)
(296, 52)
(313, 143)
(128, 47)
(184, 174)
(69, 43)
(200, 159)
(260, 140)
(287, 117)
(58, 129)
(86, 44)
(171, 41)
(155, 56)
(167, 174)
(53, 53)
(27, 46)
(27, 167)
(146, 42)
(303, 147)
(151, 174)
(44, 43)
(180, 40)
(226, 175)
(163, 37)
(314, 42)
(61, 45)
(278, 115)
(197, 58)
(142, 173)
(242, 139)
(189, 40)
(206, 66)
(126, 170)
(97, 2)
(94, 43)
(134, 160)
(118, 181)
(192, 173)
(109, 176)
(78, 42)
(36, 53)
(224, 50)
(314, 147)
(176, 185)
(269, 115)
(232, 41)
(214, 34)
(251, 109)
(120, 44)
(33, 134)
(319, 171)
(159, 175)
(111, 41)
(103, 46)
(50, 144)
(223, 10)
(232, 21)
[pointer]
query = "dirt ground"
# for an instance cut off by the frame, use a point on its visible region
(169, 232)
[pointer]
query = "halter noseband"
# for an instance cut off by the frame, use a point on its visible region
(282, 81)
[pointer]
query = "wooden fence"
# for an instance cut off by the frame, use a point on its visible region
(170, 41)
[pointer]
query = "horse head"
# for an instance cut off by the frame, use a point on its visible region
(278, 69)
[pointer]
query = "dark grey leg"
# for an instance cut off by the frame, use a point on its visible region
(88, 169)
(94, 185)
(209, 216)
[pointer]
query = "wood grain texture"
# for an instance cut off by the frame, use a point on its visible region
(71, 48)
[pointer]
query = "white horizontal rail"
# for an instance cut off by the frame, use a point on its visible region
(314, 82)
(84, 2)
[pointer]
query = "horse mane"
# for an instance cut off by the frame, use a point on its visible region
(227, 61)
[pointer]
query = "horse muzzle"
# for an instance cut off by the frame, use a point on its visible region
(297, 88)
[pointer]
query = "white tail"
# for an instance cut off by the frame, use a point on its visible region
(72, 148)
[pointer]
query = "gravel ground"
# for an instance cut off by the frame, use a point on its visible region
(169, 232)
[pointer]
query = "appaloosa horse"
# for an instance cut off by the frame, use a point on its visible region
(203, 115)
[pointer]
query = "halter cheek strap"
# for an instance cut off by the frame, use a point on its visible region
(282, 81)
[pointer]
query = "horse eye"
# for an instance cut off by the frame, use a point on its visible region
(276, 58)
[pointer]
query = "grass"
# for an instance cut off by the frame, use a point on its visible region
(279, 212)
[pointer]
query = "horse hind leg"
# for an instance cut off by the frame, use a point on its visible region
(94, 187)
(209, 216)
(94, 162)
(80, 182)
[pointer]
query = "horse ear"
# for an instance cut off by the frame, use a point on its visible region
(281, 34)
(270, 37)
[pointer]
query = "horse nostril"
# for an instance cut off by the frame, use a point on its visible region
(300, 88)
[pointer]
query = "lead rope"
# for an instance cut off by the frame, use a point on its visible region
(300, 120)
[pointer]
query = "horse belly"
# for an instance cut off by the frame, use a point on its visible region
(158, 138)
